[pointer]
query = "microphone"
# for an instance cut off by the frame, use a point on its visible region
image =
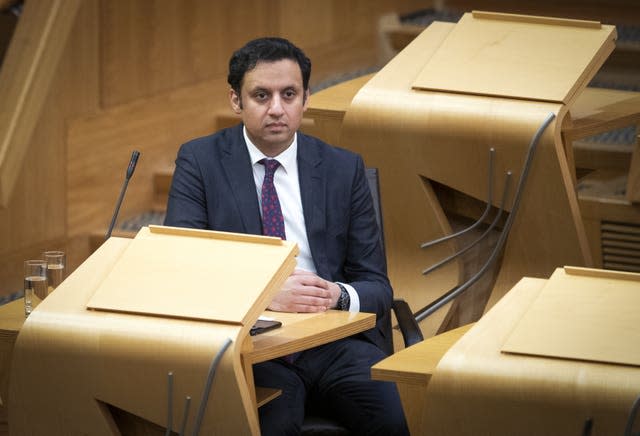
(130, 169)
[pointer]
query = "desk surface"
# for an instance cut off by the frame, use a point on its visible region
(416, 364)
(301, 331)
(11, 317)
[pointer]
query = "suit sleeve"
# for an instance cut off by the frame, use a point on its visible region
(365, 266)
(186, 206)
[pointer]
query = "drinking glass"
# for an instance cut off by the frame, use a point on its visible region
(35, 282)
(55, 268)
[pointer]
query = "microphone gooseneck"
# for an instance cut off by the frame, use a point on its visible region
(130, 169)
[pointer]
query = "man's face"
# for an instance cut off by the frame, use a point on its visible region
(271, 104)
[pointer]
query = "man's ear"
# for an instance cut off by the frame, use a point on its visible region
(236, 101)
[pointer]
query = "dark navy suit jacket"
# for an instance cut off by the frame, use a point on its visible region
(213, 188)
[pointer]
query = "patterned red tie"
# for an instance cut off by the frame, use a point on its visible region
(272, 219)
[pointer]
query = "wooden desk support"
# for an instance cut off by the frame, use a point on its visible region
(70, 364)
(418, 130)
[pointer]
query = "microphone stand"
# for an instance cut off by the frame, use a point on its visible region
(130, 169)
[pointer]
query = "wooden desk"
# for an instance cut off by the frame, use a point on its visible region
(87, 333)
(416, 364)
(11, 320)
(302, 331)
(477, 388)
(412, 368)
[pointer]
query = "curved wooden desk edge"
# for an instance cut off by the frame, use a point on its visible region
(417, 363)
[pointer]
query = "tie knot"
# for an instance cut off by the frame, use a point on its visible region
(270, 165)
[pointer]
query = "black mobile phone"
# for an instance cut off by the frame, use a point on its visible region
(262, 326)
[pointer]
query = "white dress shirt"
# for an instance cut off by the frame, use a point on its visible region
(287, 186)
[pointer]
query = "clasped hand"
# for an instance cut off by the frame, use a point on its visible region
(304, 291)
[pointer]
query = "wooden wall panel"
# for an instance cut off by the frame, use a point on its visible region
(35, 217)
(150, 47)
(99, 149)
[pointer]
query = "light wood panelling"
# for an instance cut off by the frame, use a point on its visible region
(26, 75)
(173, 44)
(99, 149)
(178, 44)
(35, 217)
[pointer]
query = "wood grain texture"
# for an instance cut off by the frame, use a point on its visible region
(411, 369)
(27, 72)
(154, 48)
(67, 357)
(25, 230)
(517, 50)
(582, 315)
(599, 110)
(416, 364)
(300, 331)
(79, 364)
(419, 137)
(196, 275)
(479, 390)
(99, 148)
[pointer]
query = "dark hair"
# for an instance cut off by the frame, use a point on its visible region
(269, 49)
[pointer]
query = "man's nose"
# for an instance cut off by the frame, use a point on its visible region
(275, 107)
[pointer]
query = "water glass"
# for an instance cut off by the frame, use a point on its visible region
(55, 268)
(35, 282)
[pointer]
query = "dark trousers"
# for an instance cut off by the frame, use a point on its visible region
(334, 379)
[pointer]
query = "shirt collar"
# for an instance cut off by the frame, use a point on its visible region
(287, 158)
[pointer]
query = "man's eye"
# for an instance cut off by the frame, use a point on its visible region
(289, 94)
(261, 96)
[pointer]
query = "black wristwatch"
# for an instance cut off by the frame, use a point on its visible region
(344, 301)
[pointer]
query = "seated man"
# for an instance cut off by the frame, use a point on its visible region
(264, 177)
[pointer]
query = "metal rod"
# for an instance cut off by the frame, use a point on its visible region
(484, 235)
(433, 307)
(169, 403)
(185, 414)
(207, 388)
(479, 220)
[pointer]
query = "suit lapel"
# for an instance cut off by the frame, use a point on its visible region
(237, 167)
(312, 192)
